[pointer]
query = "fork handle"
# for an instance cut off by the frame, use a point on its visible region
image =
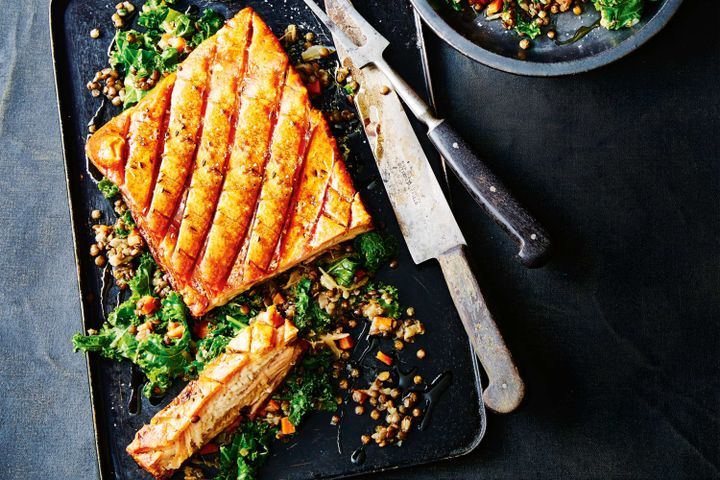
(487, 190)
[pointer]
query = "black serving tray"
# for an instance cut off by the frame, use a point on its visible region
(458, 421)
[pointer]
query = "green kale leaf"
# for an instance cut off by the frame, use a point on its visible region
(387, 298)
(128, 223)
(617, 14)
(140, 284)
(178, 24)
(343, 271)
(138, 54)
(153, 14)
(223, 324)
(108, 189)
(161, 362)
(525, 26)
(321, 320)
(308, 387)
(373, 250)
(206, 26)
(246, 453)
(302, 303)
(308, 314)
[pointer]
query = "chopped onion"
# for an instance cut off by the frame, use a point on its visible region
(327, 281)
(329, 340)
(316, 52)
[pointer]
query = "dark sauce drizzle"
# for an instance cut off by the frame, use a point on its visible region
(405, 379)
(429, 394)
(358, 456)
(91, 170)
(432, 394)
(371, 343)
(105, 286)
(137, 379)
(98, 113)
(579, 33)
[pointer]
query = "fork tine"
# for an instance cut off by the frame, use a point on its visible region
(337, 32)
(360, 22)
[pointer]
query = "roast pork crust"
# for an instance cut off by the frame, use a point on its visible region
(231, 175)
(237, 382)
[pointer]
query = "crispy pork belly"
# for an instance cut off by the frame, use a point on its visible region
(231, 175)
(237, 382)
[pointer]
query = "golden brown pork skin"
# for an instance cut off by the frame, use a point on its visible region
(230, 174)
(238, 381)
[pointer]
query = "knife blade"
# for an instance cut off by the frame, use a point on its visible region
(366, 46)
(424, 216)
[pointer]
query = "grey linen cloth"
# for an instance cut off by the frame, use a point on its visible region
(45, 417)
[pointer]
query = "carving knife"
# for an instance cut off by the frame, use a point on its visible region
(424, 216)
(366, 46)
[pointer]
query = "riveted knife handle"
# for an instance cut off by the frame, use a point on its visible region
(488, 191)
(505, 390)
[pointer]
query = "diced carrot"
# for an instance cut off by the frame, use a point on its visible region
(208, 449)
(274, 317)
(383, 357)
(175, 330)
(147, 305)
(381, 325)
(494, 7)
(286, 426)
(346, 343)
(178, 43)
(278, 299)
(201, 329)
(272, 406)
(359, 396)
(314, 88)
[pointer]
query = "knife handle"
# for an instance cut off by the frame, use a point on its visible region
(488, 191)
(505, 390)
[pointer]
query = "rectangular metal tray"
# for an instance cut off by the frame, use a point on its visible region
(458, 422)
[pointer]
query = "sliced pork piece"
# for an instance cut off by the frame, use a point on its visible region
(230, 174)
(237, 382)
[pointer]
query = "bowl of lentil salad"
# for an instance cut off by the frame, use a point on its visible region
(546, 37)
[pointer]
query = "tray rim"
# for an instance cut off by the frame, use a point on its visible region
(55, 7)
(104, 469)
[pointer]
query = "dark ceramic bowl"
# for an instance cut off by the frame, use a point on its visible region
(489, 43)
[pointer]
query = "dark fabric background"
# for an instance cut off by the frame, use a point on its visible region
(618, 337)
